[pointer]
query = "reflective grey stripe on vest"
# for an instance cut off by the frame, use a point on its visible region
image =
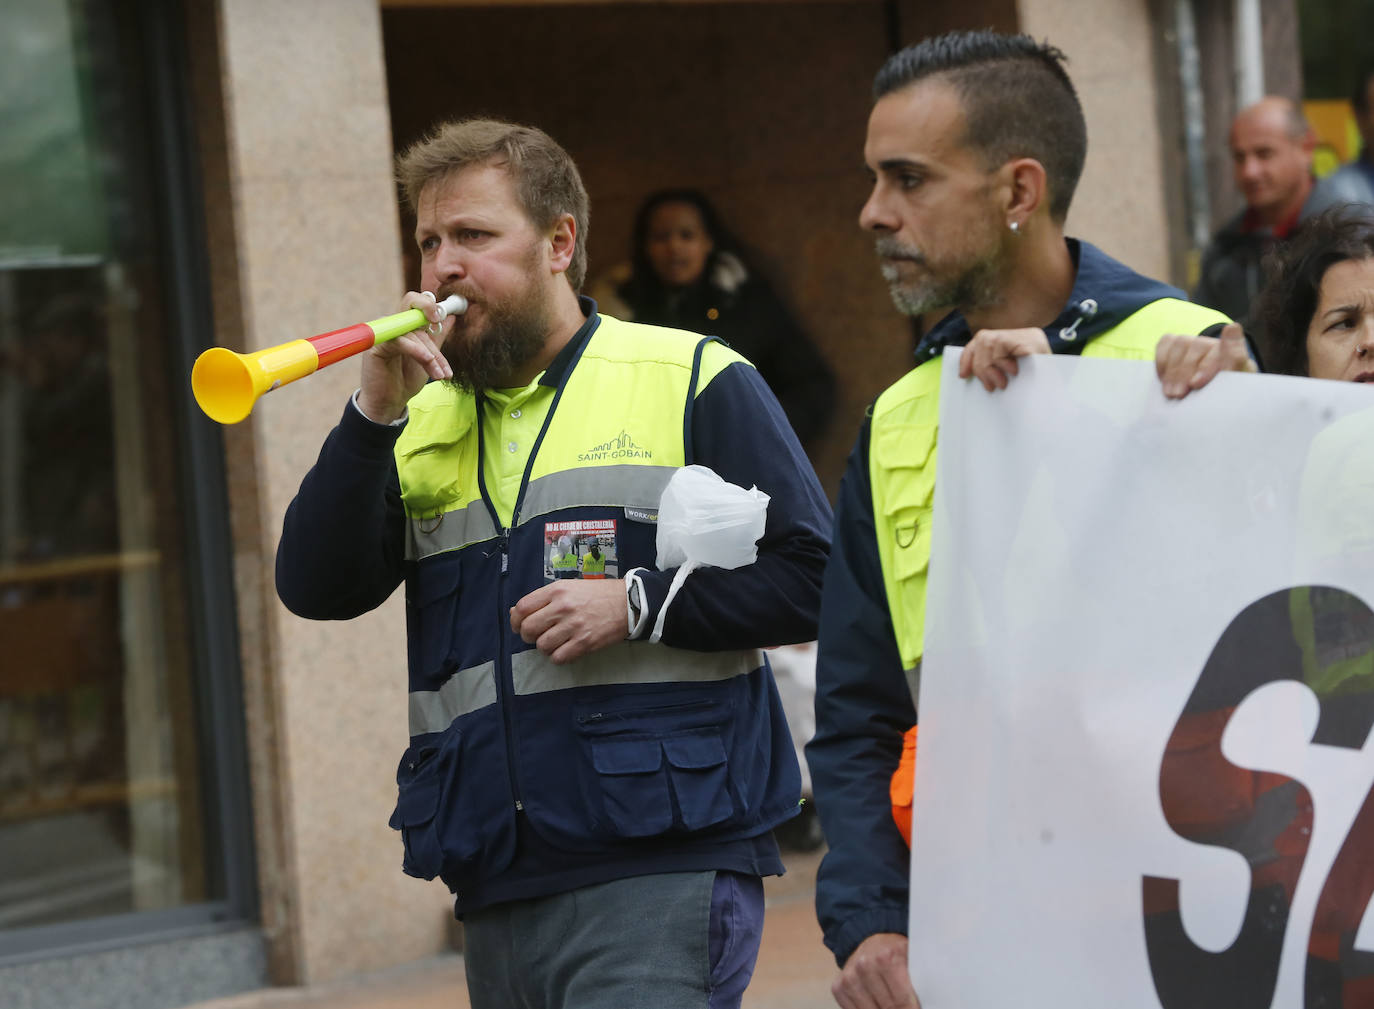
(913, 683)
(534, 672)
(616, 486)
(449, 531)
(636, 486)
(466, 691)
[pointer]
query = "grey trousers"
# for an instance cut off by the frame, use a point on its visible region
(646, 941)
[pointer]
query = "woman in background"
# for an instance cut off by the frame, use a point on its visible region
(687, 272)
(1318, 304)
(1316, 310)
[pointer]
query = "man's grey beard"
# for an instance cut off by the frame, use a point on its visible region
(976, 287)
(514, 335)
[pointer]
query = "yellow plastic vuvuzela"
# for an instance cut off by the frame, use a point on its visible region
(227, 384)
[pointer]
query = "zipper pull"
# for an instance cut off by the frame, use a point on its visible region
(505, 550)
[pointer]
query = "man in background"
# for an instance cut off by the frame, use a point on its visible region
(975, 145)
(1271, 155)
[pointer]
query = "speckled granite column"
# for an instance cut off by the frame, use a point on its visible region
(315, 229)
(1120, 205)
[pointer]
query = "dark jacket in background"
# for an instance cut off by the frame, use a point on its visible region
(1232, 274)
(742, 310)
(1352, 183)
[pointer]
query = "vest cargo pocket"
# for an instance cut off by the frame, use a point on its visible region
(911, 541)
(438, 837)
(634, 787)
(651, 786)
(651, 765)
(700, 782)
(420, 779)
(904, 455)
(431, 615)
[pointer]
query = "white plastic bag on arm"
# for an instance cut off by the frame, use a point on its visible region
(702, 520)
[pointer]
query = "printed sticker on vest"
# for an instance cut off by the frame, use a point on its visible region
(641, 514)
(584, 549)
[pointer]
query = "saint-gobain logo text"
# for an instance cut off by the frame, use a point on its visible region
(620, 447)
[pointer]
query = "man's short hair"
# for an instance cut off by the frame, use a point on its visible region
(1018, 101)
(547, 182)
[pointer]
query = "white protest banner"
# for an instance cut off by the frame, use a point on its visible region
(1144, 776)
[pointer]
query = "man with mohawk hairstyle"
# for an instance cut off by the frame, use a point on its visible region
(975, 144)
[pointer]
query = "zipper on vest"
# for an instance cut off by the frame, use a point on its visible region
(505, 682)
(507, 677)
(657, 709)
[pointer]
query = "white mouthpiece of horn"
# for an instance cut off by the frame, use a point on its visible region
(454, 304)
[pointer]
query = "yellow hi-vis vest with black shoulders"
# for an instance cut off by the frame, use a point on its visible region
(618, 420)
(638, 753)
(901, 462)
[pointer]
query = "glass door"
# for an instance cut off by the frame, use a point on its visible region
(109, 765)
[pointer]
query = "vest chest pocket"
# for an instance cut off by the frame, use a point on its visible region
(434, 455)
(904, 457)
(431, 616)
(911, 542)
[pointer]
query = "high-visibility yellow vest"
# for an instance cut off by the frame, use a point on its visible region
(901, 465)
(901, 459)
(633, 743)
